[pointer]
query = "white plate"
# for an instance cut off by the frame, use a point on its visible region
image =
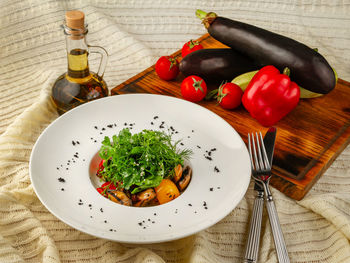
(60, 160)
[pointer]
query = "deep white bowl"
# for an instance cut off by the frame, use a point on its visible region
(60, 160)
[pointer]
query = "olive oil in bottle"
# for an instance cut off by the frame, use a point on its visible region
(78, 85)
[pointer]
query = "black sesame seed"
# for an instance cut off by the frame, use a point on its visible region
(101, 210)
(169, 225)
(189, 204)
(90, 216)
(66, 168)
(155, 117)
(140, 224)
(61, 180)
(73, 142)
(144, 227)
(105, 221)
(208, 158)
(153, 222)
(211, 188)
(78, 142)
(90, 205)
(110, 126)
(198, 147)
(212, 150)
(57, 168)
(101, 132)
(96, 127)
(181, 144)
(111, 230)
(80, 203)
(103, 129)
(62, 189)
(155, 214)
(125, 124)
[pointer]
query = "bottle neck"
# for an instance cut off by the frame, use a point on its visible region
(77, 54)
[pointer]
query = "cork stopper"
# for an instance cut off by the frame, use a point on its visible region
(75, 19)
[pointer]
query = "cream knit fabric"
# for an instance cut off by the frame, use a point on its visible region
(135, 33)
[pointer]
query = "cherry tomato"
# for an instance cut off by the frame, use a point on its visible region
(108, 185)
(193, 88)
(166, 191)
(189, 47)
(229, 95)
(167, 67)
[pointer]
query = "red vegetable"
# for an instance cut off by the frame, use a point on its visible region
(270, 95)
(108, 185)
(229, 95)
(167, 67)
(189, 47)
(193, 88)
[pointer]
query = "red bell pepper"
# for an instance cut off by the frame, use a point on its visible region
(270, 95)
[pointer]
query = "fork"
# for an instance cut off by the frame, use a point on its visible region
(261, 171)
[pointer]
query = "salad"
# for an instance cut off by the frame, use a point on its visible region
(142, 169)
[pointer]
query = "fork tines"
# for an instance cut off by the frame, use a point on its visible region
(257, 152)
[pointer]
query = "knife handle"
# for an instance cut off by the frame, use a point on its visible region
(252, 247)
(281, 249)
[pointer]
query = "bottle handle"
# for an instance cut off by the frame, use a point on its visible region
(104, 58)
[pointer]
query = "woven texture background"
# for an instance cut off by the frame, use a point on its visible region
(135, 33)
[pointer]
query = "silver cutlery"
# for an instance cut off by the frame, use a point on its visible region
(261, 171)
(252, 246)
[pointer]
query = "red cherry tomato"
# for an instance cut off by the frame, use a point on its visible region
(229, 95)
(189, 47)
(167, 67)
(193, 88)
(108, 185)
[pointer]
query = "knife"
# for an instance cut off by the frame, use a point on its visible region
(252, 248)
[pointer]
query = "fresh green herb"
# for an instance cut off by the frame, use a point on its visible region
(139, 161)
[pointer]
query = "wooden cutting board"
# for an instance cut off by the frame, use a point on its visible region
(308, 139)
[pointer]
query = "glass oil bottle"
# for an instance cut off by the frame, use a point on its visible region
(78, 85)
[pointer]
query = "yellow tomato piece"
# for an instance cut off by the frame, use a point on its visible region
(166, 191)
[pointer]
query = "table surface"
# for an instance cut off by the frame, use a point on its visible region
(136, 34)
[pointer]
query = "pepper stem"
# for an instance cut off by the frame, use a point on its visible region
(286, 71)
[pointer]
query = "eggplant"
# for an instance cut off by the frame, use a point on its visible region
(217, 64)
(308, 68)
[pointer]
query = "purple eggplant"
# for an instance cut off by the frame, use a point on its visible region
(309, 69)
(217, 64)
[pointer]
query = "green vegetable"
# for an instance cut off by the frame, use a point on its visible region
(244, 79)
(139, 161)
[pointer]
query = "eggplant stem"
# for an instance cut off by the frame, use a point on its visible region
(207, 18)
(201, 14)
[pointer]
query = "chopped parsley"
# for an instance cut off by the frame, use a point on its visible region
(140, 161)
